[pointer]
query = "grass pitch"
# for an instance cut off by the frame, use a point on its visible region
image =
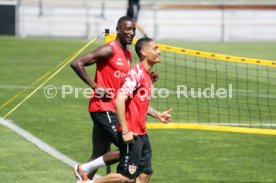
(178, 155)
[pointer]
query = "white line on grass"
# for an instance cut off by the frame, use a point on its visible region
(38, 142)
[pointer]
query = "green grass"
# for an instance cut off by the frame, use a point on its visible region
(196, 156)
(22, 162)
(179, 155)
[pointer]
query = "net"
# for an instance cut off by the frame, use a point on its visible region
(63, 121)
(212, 88)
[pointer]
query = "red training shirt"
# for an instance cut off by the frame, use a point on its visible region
(110, 74)
(138, 88)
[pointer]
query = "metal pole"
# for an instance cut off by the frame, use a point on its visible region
(222, 22)
(17, 17)
(87, 24)
(20, 30)
(102, 15)
(108, 167)
(155, 26)
(40, 8)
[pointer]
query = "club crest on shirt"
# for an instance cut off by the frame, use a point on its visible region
(132, 169)
(119, 61)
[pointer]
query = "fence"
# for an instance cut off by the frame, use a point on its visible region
(211, 21)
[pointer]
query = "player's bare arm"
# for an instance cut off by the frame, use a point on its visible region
(164, 117)
(121, 108)
(100, 54)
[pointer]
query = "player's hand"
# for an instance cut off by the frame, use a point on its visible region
(128, 137)
(154, 76)
(103, 93)
(165, 116)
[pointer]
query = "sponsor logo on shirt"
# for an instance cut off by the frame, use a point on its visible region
(144, 94)
(119, 74)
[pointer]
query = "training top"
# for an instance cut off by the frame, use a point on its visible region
(138, 88)
(110, 74)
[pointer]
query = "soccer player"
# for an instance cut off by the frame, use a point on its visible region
(132, 105)
(112, 64)
(133, 9)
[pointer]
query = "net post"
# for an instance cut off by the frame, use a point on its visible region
(106, 36)
(108, 167)
(107, 39)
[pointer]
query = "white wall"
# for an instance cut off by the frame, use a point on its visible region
(194, 25)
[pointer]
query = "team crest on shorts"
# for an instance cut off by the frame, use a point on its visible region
(132, 169)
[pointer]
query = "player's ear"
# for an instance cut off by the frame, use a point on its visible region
(143, 52)
(117, 29)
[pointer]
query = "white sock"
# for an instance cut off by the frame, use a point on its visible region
(93, 165)
(87, 181)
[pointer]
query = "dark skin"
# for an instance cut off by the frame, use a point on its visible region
(125, 34)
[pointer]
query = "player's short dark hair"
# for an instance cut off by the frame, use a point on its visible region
(123, 19)
(140, 44)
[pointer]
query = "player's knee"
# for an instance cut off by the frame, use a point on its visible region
(115, 154)
(111, 157)
(143, 178)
